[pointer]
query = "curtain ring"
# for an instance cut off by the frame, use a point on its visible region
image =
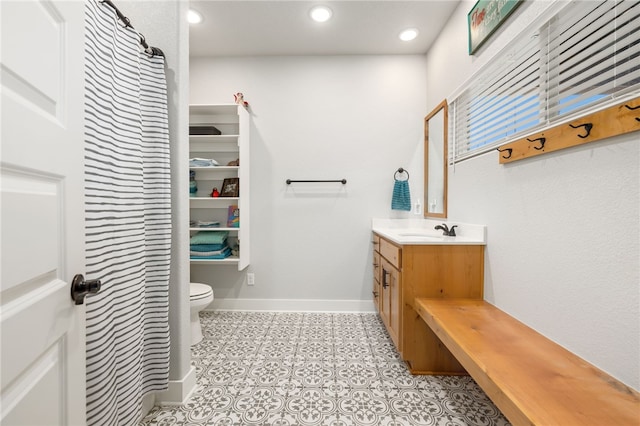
(400, 170)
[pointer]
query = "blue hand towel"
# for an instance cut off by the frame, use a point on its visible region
(401, 199)
(222, 255)
(207, 247)
(209, 237)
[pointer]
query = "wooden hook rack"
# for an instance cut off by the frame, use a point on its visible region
(616, 120)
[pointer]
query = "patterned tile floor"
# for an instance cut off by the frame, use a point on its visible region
(334, 369)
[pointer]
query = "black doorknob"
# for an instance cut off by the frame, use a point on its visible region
(81, 287)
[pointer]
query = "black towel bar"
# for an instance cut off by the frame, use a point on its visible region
(342, 181)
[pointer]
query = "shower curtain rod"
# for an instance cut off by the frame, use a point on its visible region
(153, 51)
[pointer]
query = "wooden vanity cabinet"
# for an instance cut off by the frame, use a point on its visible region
(434, 271)
(377, 288)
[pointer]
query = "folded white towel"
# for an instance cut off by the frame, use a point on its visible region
(202, 162)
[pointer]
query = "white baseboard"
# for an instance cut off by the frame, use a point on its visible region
(295, 305)
(179, 390)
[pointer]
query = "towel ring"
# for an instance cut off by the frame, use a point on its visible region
(400, 170)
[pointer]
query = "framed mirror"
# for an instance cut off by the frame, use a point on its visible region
(435, 161)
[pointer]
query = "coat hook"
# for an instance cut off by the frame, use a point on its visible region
(508, 150)
(587, 127)
(633, 108)
(542, 142)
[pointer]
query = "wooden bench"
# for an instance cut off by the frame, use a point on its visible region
(533, 380)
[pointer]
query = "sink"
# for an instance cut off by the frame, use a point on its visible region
(421, 232)
(420, 235)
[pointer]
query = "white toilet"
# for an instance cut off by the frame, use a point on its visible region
(200, 296)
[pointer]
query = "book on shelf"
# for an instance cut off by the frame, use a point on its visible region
(233, 217)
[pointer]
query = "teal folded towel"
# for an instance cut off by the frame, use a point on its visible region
(207, 247)
(211, 237)
(401, 199)
(222, 255)
(200, 254)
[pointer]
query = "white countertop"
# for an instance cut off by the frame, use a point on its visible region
(422, 232)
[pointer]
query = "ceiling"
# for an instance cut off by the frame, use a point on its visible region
(282, 28)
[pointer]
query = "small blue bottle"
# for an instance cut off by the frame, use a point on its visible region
(193, 185)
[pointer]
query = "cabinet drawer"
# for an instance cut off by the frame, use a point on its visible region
(376, 243)
(391, 252)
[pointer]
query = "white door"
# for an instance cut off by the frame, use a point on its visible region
(42, 353)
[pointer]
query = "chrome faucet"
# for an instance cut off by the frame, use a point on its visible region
(446, 231)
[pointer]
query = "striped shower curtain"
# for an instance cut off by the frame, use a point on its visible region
(128, 219)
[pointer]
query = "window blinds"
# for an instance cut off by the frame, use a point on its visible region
(582, 58)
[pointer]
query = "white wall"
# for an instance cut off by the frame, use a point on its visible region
(358, 118)
(563, 249)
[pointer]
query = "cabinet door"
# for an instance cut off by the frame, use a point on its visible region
(395, 307)
(377, 288)
(390, 301)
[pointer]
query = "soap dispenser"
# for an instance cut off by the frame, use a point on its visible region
(417, 208)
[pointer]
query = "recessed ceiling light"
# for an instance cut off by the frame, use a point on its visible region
(321, 13)
(408, 34)
(194, 17)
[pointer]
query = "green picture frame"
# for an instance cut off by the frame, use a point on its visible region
(485, 17)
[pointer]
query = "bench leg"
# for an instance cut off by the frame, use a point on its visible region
(423, 351)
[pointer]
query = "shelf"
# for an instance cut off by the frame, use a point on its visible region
(231, 260)
(215, 229)
(213, 200)
(213, 139)
(214, 168)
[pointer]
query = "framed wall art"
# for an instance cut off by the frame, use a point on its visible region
(485, 17)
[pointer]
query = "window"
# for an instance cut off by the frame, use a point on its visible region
(583, 58)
